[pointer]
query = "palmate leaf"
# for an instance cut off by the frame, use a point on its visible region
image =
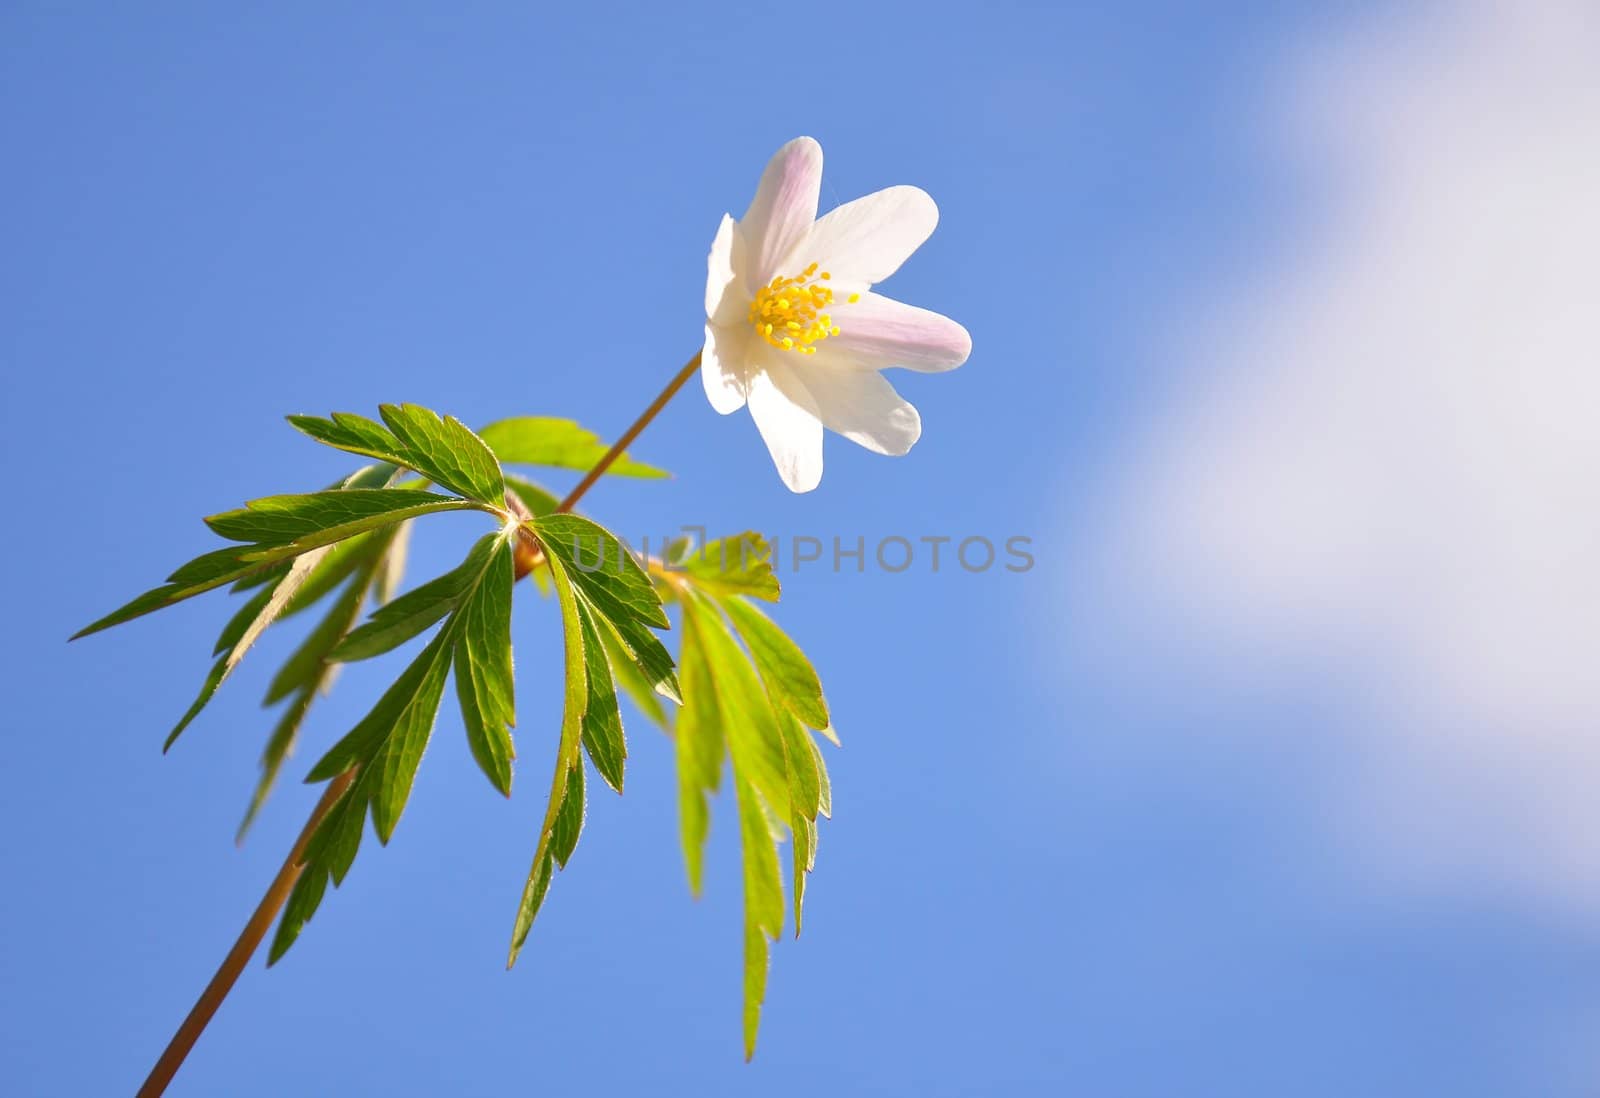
(244, 629)
(443, 450)
(787, 673)
(779, 780)
(271, 519)
(386, 746)
(600, 589)
(485, 680)
(727, 679)
(304, 674)
(763, 906)
(407, 616)
(602, 721)
(631, 680)
(557, 443)
(734, 566)
(296, 579)
(389, 735)
(605, 574)
(568, 758)
(321, 518)
(699, 744)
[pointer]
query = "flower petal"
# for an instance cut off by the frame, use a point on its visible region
(863, 407)
(784, 207)
(722, 368)
(876, 332)
(786, 415)
(867, 240)
(722, 267)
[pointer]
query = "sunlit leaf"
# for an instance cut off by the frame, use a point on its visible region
(788, 675)
(574, 700)
(450, 454)
(763, 906)
(733, 566)
(602, 723)
(410, 614)
(320, 518)
(485, 683)
(558, 443)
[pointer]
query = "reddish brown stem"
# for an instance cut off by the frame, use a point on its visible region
(266, 911)
(239, 956)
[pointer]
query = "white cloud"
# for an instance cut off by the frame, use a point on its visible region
(1386, 463)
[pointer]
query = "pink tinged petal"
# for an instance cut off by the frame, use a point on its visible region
(722, 368)
(783, 209)
(786, 416)
(867, 240)
(864, 408)
(876, 332)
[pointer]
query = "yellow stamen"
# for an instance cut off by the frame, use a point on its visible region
(799, 312)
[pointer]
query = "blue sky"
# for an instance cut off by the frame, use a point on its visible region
(1194, 807)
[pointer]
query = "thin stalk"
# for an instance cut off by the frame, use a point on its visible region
(239, 956)
(266, 911)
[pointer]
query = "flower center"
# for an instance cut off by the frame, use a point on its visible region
(791, 313)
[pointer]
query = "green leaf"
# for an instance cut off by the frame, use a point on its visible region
(327, 856)
(698, 742)
(354, 434)
(208, 689)
(569, 821)
(763, 906)
(559, 443)
(649, 656)
(803, 764)
(734, 566)
(574, 701)
(485, 683)
(240, 622)
(253, 565)
(748, 722)
(395, 768)
(204, 573)
(280, 745)
(306, 665)
(631, 679)
(336, 842)
(537, 500)
(442, 450)
(396, 622)
(824, 787)
(308, 672)
(320, 518)
(243, 630)
(339, 562)
(801, 767)
(302, 904)
(602, 568)
(447, 452)
(602, 723)
(366, 739)
(788, 675)
(608, 578)
(804, 861)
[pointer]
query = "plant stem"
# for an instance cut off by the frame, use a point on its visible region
(528, 553)
(266, 911)
(631, 433)
(239, 956)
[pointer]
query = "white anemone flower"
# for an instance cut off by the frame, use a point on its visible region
(794, 329)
